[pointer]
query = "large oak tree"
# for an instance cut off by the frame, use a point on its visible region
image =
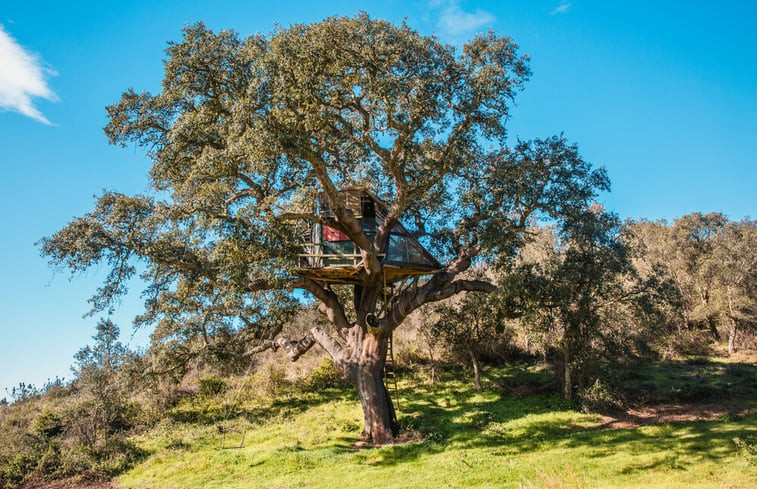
(246, 133)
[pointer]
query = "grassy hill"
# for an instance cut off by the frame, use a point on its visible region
(517, 433)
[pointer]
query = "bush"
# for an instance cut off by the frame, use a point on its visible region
(272, 379)
(17, 469)
(325, 375)
(410, 357)
(211, 385)
(599, 398)
(748, 446)
(48, 425)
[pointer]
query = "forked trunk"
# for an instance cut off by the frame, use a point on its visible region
(360, 348)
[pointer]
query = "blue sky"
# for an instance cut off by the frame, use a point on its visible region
(663, 94)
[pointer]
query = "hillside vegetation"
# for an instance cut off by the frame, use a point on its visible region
(518, 432)
(566, 375)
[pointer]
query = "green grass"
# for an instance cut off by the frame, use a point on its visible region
(697, 379)
(487, 440)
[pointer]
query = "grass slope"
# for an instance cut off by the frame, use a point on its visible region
(465, 439)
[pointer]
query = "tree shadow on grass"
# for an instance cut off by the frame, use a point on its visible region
(452, 414)
(694, 380)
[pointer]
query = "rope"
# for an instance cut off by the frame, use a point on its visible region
(222, 427)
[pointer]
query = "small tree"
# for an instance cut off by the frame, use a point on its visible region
(565, 288)
(470, 326)
(105, 355)
(102, 411)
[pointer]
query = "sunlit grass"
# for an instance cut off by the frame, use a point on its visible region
(465, 439)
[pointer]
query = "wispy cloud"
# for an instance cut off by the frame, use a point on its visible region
(22, 78)
(454, 21)
(562, 8)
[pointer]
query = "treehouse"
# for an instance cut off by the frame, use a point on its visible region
(330, 256)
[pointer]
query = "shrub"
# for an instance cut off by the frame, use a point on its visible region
(689, 343)
(273, 379)
(211, 385)
(748, 446)
(48, 425)
(410, 357)
(599, 398)
(325, 375)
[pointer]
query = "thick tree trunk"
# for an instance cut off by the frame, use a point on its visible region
(476, 369)
(380, 420)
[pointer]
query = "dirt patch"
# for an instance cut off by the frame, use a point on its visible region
(671, 413)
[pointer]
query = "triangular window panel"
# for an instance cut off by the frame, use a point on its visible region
(404, 250)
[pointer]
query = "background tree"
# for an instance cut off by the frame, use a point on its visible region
(692, 238)
(735, 264)
(470, 326)
(567, 286)
(244, 135)
(709, 261)
(102, 411)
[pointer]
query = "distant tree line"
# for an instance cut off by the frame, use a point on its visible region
(608, 292)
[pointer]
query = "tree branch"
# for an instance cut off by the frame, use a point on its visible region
(296, 348)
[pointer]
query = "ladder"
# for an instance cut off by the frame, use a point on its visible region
(390, 373)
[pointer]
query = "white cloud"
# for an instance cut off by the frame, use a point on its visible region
(21, 78)
(562, 8)
(454, 21)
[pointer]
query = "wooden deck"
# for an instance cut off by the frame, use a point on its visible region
(350, 274)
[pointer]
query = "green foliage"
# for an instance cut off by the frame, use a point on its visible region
(569, 287)
(472, 327)
(48, 425)
(710, 264)
(211, 385)
(324, 376)
(599, 398)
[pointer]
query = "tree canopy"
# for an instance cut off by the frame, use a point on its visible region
(245, 134)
